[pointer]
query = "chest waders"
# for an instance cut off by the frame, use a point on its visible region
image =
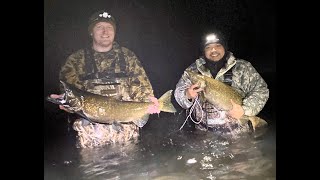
(104, 83)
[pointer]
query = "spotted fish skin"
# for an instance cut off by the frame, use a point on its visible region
(219, 94)
(103, 109)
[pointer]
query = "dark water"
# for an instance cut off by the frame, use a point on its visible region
(163, 151)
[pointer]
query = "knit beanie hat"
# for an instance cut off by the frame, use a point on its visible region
(101, 16)
(215, 37)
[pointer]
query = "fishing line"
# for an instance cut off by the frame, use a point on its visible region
(196, 102)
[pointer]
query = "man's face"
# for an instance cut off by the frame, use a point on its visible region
(214, 51)
(103, 34)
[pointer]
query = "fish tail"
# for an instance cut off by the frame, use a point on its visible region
(257, 122)
(165, 104)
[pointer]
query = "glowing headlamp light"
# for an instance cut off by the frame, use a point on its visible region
(211, 38)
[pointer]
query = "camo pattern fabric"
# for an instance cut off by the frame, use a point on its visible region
(136, 87)
(245, 80)
(94, 135)
(212, 119)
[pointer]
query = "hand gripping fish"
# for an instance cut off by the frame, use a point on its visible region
(219, 94)
(102, 109)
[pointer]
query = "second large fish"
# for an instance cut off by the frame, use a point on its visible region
(219, 94)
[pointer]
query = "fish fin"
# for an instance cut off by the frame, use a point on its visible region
(165, 103)
(117, 126)
(82, 114)
(257, 122)
(141, 122)
(85, 121)
(243, 120)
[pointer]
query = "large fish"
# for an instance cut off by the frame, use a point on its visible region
(219, 94)
(102, 109)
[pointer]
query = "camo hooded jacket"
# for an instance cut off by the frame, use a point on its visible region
(245, 79)
(134, 87)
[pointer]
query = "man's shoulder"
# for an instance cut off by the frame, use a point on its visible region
(127, 52)
(239, 61)
(193, 67)
(77, 52)
(244, 65)
(76, 56)
(243, 62)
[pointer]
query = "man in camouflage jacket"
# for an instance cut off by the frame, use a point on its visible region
(221, 64)
(107, 69)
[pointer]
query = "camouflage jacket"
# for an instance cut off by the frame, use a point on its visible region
(135, 86)
(245, 79)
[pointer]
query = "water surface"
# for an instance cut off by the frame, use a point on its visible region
(163, 152)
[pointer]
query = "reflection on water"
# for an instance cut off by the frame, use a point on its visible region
(166, 153)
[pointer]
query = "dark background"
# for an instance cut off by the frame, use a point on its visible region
(165, 35)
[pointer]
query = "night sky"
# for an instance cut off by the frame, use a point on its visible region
(165, 34)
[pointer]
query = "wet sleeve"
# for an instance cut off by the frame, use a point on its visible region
(256, 90)
(70, 71)
(180, 92)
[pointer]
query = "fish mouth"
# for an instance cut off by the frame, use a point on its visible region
(60, 100)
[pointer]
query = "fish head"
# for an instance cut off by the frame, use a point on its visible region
(72, 100)
(196, 78)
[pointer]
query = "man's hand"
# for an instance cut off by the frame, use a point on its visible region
(55, 96)
(237, 111)
(192, 91)
(155, 107)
